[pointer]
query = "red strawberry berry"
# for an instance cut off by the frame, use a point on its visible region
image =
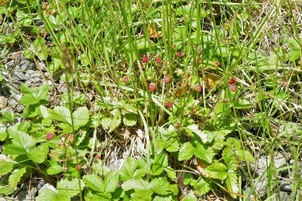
(49, 136)
(198, 88)
(232, 80)
(166, 79)
(217, 63)
(126, 79)
(169, 104)
(157, 60)
(233, 87)
(152, 87)
(145, 59)
(179, 54)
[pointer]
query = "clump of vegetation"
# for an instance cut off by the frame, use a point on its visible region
(165, 100)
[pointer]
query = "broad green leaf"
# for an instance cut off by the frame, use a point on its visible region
(136, 184)
(6, 190)
(6, 165)
(171, 173)
(232, 183)
(229, 158)
(204, 152)
(61, 114)
(201, 186)
(54, 168)
(48, 195)
(190, 197)
(160, 163)
(162, 198)
(13, 150)
(21, 139)
(69, 188)
(217, 171)
(111, 181)
(245, 155)
(130, 119)
(142, 195)
(38, 154)
(128, 169)
(186, 151)
(194, 129)
(80, 117)
(15, 177)
(94, 182)
(161, 186)
(3, 133)
(32, 96)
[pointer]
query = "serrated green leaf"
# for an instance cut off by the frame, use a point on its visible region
(204, 152)
(201, 186)
(171, 173)
(111, 181)
(160, 163)
(32, 96)
(3, 133)
(136, 184)
(245, 155)
(13, 150)
(69, 188)
(186, 151)
(232, 183)
(130, 119)
(6, 165)
(54, 168)
(194, 129)
(142, 195)
(160, 186)
(217, 171)
(229, 158)
(21, 139)
(15, 177)
(6, 190)
(80, 117)
(61, 114)
(38, 154)
(190, 197)
(94, 182)
(47, 195)
(128, 169)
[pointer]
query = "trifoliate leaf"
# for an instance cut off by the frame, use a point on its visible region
(201, 186)
(217, 171)
(186, 151)
(69, 188)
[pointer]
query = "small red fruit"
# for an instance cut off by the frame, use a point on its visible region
(79, 166)
(126, 79)
(166, 79)
(198, 88)
(49, 136)
(152, 87)
(217, 63)
(145, 59)
(179, 54)
(157, 60)
(169, 104)
(233, 87)
(283, 84)
(232, 80)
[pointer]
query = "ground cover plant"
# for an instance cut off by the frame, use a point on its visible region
(151, 99)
